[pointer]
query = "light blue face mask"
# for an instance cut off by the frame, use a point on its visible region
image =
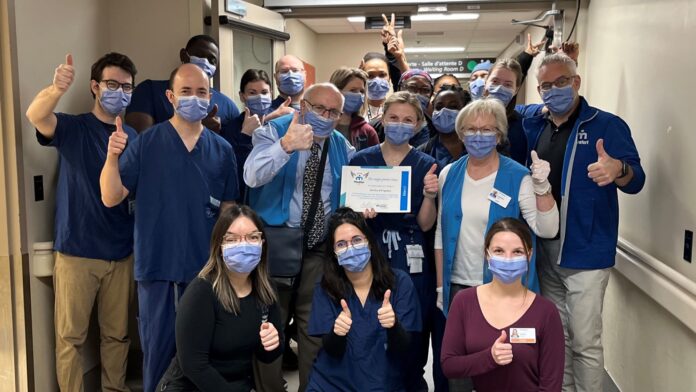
(398, 133)
(424, 101)
(354, 258)
(508, 270)
(501, 93)
(321, 126)
(377, 88)
(204, 64)
(444, 120)
(191, 108)
(259, 104)
(559, 100)
(241, 258)
(476, 88)
(114, 101)
(353, 102)
(291, 83)
(480, 145)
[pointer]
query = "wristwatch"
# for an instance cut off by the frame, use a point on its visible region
(624, 170)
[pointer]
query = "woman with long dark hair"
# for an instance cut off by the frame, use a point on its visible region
(364, 312)
(228, 313)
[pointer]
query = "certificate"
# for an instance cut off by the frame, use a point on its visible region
(384, 188)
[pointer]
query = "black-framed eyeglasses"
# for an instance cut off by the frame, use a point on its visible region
(414, 88)
(320, 110)
(255, 238)
(560, 82)
(114, 85)
(342, 246)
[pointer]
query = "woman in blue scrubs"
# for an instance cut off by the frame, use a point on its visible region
(445, 146)
(364, 311)
(402, 235)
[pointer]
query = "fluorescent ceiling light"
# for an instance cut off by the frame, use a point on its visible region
(435, 49)
(356, 19)
(432, 8)
(441, 17)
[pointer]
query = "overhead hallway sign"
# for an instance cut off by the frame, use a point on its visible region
(462, 66)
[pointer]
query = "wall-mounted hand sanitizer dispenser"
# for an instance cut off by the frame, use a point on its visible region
(42, 259)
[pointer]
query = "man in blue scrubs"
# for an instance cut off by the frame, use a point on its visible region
(290, 77)
(150, 105)
(93, 243)
(182, 175)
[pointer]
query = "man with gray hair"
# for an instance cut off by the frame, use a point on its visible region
(592, 155)
(292, 156)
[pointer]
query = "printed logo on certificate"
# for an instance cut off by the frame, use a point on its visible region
(384, 188)
(522, 335)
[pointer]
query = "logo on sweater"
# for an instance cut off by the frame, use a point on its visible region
(359, 177)
(583, 138)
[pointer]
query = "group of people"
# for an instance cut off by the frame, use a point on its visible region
(500, 266)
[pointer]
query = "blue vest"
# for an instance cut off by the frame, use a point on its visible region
(272, 201)
(508, 180)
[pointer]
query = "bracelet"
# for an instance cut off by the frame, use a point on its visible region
(429, 195)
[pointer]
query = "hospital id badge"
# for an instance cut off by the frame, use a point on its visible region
(414, 251)
(499, 198)
(415, 265)
(523, 335)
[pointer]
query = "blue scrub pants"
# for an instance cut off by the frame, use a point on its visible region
(157, 302)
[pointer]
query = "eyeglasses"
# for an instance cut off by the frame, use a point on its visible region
(114, 85)
(254, 238)
(356, 242)
(562, 81)
(293, 70)
(414, 88)
(320, 110)
(480, 131)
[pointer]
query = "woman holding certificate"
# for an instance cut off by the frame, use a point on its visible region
(401, 235)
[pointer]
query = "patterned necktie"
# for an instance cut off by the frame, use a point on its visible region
(314, 232)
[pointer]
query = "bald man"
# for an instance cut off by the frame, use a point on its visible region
(287, 161)
(290, 77)
(182, 175)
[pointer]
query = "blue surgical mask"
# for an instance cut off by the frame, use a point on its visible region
(480, 145)
(241, 258)
(353, 102)
(377, 88)
(291, 83)
(354, 258)
(559, 100)
(191, 108)
(321, 126)
(204, 64)
(259, 104)
(114, 101)
(501, 93)
(508, 270)
(398, 133)
(476, 88)
(444, 120)
(424, 101)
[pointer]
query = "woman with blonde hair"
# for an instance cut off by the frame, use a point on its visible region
(352, 82)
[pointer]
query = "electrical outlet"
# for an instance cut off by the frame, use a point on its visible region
(38, 188)
(688, 244)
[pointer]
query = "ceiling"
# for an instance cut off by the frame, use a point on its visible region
(486, 37)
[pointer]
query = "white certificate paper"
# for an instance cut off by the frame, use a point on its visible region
(384, 188)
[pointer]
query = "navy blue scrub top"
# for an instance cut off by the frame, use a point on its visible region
(177, 199)
(84, 227)
(241, 143)
(366, 364)
(149, 97)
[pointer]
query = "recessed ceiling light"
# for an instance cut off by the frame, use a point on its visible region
(356, 19)
(435, 49)
(441, 17)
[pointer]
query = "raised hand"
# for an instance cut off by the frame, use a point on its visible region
(212, 121)
(395, 45)
(64, 75)
(430, 186)
(571, 49)
(534, 49)
(540, 174)
(343, 321)
(251, 123)
(501, 351)
(369, 213)
(282, 110)
(388, 29)
(117, 140)
(298, 137)
(606, 169)
(385, 314)
(269, 336)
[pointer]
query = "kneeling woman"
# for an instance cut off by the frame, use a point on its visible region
(501, 334)
(364, 312)
(228, 313)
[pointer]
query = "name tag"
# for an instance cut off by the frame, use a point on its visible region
(499, 198)
(214, 202)
(414, 258)
(522, 335)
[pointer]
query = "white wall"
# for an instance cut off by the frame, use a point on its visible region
(302, 43)
(344, 50)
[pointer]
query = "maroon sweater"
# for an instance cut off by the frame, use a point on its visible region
(466, 347)
(362, 135)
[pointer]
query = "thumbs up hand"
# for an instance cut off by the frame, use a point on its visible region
(64, 75)
(298, 137)
(606, 169)
(430, 185)
(343, 321)
(212, 121)
(540, 174)
(385, 314)
(282, 110)
(117, 140)
(251, 123)
(269, 336)
(501, 351)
